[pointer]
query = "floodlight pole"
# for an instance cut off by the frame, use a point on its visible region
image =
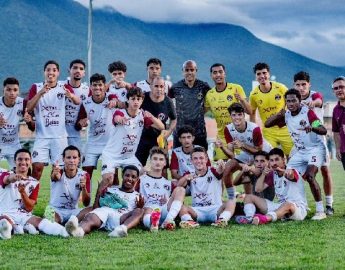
(89, 40)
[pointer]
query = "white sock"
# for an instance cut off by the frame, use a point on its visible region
(226, 215)
(30, 228)
(231, 192)
(273, 215)
(249, 209)
(186, 217)
(147, 220)
(175, 208)
(319, 207)
(329, 200)
(52, 228)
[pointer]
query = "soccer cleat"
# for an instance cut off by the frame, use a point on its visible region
(221, 223)
(155, 217)
(30, 229)
(119, 231)
(5, 229)
(189, 224)
(319, 216)
(329, 210)
(18, 229)
(72, 228)
(243, 220)
(169, 225)
(259, 219)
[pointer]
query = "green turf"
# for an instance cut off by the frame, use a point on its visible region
(283, 245)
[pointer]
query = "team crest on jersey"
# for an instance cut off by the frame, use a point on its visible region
(31, 189)
(60, 95)
(104, 167)
(200, 96)
(260, 101)
(123, 94)
(34, 154)
(161, 116)
(209, 179)
(166, 187)
(19, 113)
(249, 139)
(77, 186)
(82, 97)
(229, 98)
(92, 111)
(277, 97)
(141, 123)
(147, 185)
(303, 123)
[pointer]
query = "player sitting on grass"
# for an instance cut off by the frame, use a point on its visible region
(289, 189)
(206, 190)
(18, 196)
(118, 209)
(162, 204)
(67, 185)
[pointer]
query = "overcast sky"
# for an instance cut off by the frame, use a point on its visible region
(315, 28)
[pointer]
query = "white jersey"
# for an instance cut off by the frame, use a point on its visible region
(124, 139)
(319, 111)
(50, 111)
(145, 86)
(156, 191)
(129, 197)
(296, 125)
(65, 193)
(100, 121)
(10, 198)
(206, 190)
(72, 110)
(121, 93)
(287, 190)
(181, 161)
(9, 133)
(251, 136)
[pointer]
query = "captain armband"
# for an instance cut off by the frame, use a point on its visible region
(316, 124)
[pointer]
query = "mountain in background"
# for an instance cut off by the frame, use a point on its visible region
(36, 31)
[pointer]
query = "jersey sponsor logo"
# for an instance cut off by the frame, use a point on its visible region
(19, 112)
(91, 111)
(277, 97)
(104, 167)
(161, 116)
(123, 93)
(82, 97)
(59, 95)
(166, 187)
(34, 154)
(200, 96)
(209, 179)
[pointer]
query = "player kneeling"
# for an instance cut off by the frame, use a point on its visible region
(18, 196)
(119, 209)
(289, 189)
(206, 190)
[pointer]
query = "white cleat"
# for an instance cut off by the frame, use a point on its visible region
(72, 228)
(319, 216)
(5, 229)
(119, 231)
(30, 229)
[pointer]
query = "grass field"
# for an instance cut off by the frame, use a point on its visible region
(283, 245)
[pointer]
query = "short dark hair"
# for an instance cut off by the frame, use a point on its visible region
(77, 61)
(135, 92)
(51, 62)
(199, 149)
(155, 61)
(22, 150)
(339, 78)
(185, 129)
(157, 150)
(217, 65)
(236, 107)
(293, 91)
(97, 77)
(260, 66)
(117, 65)
(261, 153)
(130, 167)
(11, 80)
(70, 148)
(301, 76)
(276, 151)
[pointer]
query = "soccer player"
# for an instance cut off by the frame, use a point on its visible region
(95, 109)
(18, 196)
(206, 190)
(218, 100)
(67, 186)
(310, 151)
(118, 209)
(154, 69)
(338, 118)
(289, 189)
(162, 203)
(11, 112)
(117, 84)
(189, 94)
(48, 102)
(161, 107)
(314, 101)
(76, 74)
(268, 98)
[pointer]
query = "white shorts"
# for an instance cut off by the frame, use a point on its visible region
(92, 155)
(7, 152)
(65, 214)
(49, 150)
(301, 159)
(109, 164)
(75, 141)
(110, 217)
(163, 209)
(19, 218)
(245, 157)
(206, 213)
(300, 211)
